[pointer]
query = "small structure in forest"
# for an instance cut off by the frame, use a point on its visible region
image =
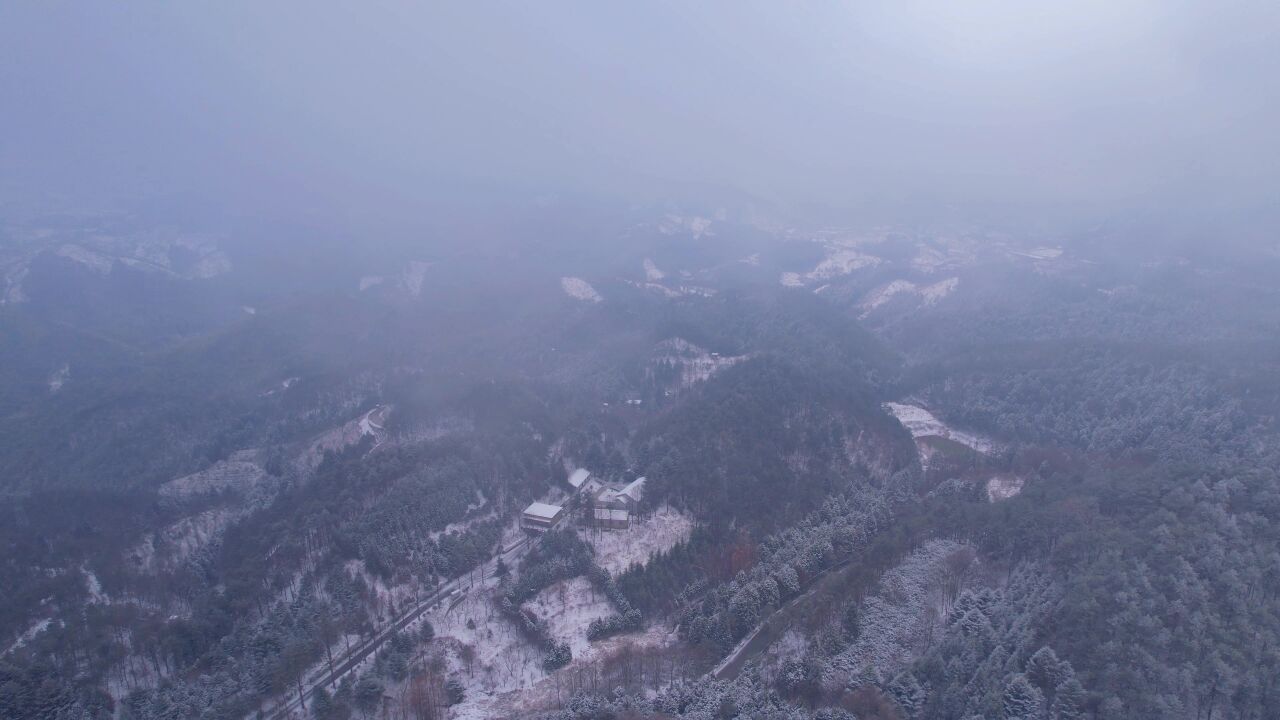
(541, 517)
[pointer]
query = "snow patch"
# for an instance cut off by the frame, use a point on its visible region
(94, 586)
(59, 378)
(1039, 253)
(13, 286)
(617, 550)
(239, 473)
(579, 289)
(935, 292)
(921, 424)
(1003, 487)
(369, 281)
(696, 226)
(651, 271)
(97, 262)
(840, 261)
(414, 275)
(695, 364)
(171, 546)
(882, 295)
(927, 295)
(28, 635)
(569, 606)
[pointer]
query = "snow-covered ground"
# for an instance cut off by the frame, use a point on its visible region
(181, 539)
(696, 364)
(579, 289)
(99, 253)
(843, 257)
(414, 275)
(1003, 487)
(922, 424)
(13, 292)
(945, 252)
(372, 422)
(842, 262)
(97, 262)
(28, 635)
(651, 271)
(674, 291)
(696, 226)
(926, 294)
(369, 424)
(512, 683)
(935, 292)
(1039, 253)
(59, 378)
(616, 550)
(94, 586)
(239, 473)
(569, 606)
(885, 293)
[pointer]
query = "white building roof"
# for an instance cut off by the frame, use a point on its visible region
(607, 514)
(579, 476)
(634, 490)
(543, 511)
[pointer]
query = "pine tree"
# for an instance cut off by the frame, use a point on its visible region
(1068, 700)
(454, 691)
(849, 622)
(1022, 700)
(1044, 670)
(321, 704)
(906, 691)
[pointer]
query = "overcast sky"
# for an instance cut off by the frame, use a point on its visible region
(1101, 104)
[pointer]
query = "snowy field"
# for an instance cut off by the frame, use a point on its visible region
(502, 673)
(569, 606)
(617, 550)
(921, 424)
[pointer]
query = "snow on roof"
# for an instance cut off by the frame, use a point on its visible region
(579, 476)
(608, 514)
(634, 490)
(543, 510)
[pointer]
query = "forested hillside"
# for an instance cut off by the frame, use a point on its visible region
(1003, 483)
